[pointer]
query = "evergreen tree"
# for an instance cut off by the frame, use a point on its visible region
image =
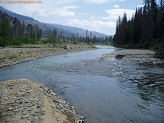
(124, 29)
(5, 31)
(144, 30)
(55, 38)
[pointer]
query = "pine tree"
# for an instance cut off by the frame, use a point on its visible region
(55, 38)
(5, 31)
(144, 30)
(124, 29)
(161, 21)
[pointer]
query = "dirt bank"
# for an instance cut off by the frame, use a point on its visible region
(11, 56)
(24, 101)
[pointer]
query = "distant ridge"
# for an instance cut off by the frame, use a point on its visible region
(12, 14)
(66, 30)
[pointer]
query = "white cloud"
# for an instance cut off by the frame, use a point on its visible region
(100, 1)
(95, 1)
(47, 8)
(93, 24)
(102, 24)
(113, 14)
(63, 11)
(57, 2)
(116, 6)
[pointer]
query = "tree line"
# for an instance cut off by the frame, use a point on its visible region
(15, 32)
(57, 37)
(144, 30)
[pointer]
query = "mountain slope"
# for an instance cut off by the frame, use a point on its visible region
(12, 14)
(66, 30)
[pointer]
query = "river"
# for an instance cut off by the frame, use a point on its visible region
(102, 90)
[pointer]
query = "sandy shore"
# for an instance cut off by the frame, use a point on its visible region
(24, 101)
(11, 56)
(144, 56)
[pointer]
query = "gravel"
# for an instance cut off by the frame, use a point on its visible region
(11, 56)
(24, 101)
(143, 56)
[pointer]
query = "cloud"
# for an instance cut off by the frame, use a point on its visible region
(64, 11)
(47, 8)
(104, 25)
(57, 2)
(93, 24)
(95, 1)
(113, 14)
(100, 1)
(116, 6)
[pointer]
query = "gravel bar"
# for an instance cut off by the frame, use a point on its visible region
(143, 56)
(25, 101)
(11, 56)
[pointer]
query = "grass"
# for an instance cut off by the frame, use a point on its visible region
(51, 50)
(8, 56)
(1, 57)
(28, 51)
(21, 52)
(92, 46)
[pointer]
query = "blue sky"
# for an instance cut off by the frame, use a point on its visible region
(96, 15)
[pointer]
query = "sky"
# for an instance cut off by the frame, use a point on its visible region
(95, 15)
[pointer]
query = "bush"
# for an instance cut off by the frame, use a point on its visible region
(17, 42)
(2, 42)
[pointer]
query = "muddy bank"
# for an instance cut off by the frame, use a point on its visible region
(24, 101)
(143, 56)
(11, 56)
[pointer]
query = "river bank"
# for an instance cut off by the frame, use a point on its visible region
(82, 78)
(143, 56)
(10, 56)
(23, 101)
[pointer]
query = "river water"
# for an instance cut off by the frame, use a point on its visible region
(102, 90)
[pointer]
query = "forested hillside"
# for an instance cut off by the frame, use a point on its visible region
(144, 30)
(15, 32)
(17, 29)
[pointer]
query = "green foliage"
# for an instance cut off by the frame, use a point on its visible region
(2, 42)
(93, 46)
(13, 32)
(8, 56)
(16, 42)
(144, 30)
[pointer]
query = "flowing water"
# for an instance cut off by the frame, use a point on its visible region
(102, 90)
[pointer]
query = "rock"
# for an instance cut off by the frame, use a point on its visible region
(119, 56)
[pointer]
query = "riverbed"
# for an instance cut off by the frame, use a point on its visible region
(102, 90)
